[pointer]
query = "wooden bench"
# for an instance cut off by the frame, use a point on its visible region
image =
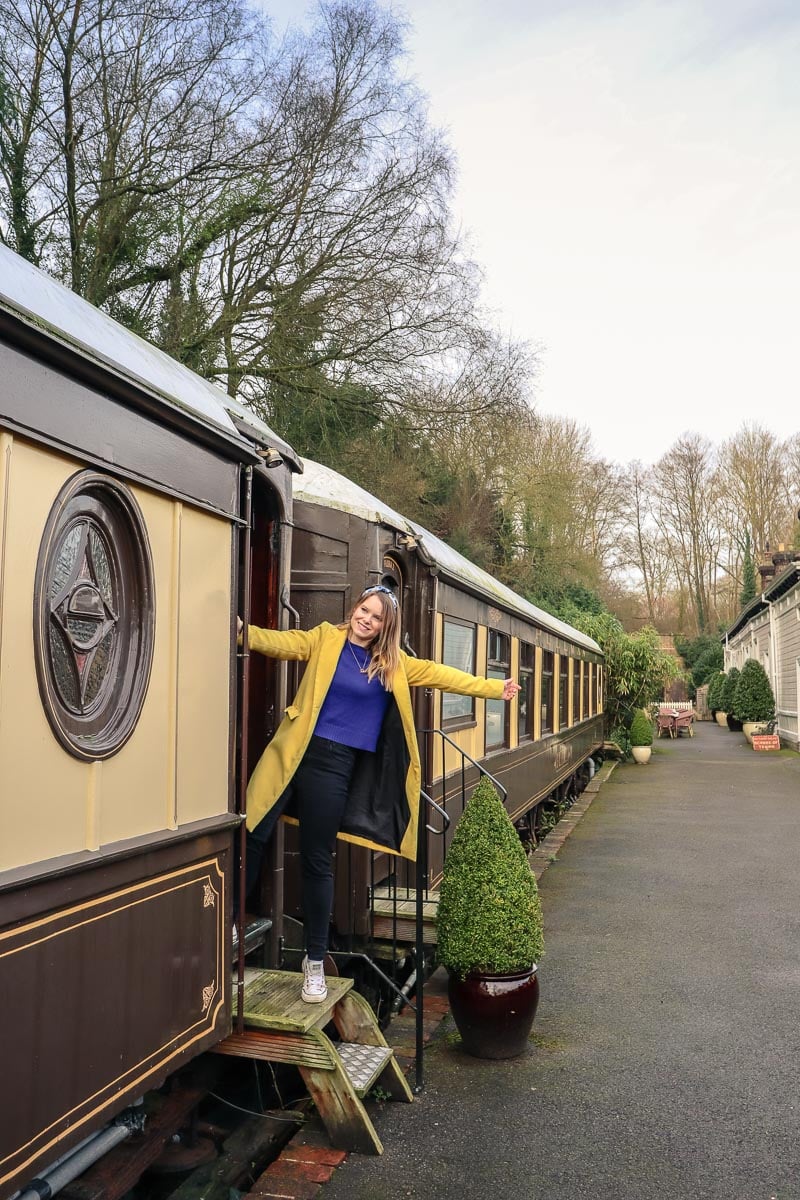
(280, 1027)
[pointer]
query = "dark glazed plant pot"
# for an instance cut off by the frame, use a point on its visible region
(494, 1013)
(734, 724)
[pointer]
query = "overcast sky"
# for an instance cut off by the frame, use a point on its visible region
(629, 179)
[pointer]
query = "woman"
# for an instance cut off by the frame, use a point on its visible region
(345, 761)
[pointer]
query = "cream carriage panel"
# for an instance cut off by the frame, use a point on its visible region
(174, 768)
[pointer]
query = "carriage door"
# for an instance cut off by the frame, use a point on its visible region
(263, 576)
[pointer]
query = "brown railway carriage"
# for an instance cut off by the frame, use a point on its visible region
(124, 490)
(536, 748)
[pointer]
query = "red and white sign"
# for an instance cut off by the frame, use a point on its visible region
(766, 741)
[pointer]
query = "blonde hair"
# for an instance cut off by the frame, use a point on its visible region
(385, 649)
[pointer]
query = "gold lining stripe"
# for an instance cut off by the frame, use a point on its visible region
(6, 444)
(209, 863)
(128, 1080)
(173, 699)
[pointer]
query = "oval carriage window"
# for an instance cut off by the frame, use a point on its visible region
(94, 615)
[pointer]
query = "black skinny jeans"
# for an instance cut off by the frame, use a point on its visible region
(319, 788)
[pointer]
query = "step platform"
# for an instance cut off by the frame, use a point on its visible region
(280, 1027)
(395, 917)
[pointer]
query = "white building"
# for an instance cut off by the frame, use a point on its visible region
(768, 630)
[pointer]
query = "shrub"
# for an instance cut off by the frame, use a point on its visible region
(705, 666)
(490, 917)
(729, 692)
(637, 669)
(703, 656)
(754, 700)
(641, 729)
(715, 685)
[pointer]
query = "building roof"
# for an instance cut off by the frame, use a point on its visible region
(778, 587)
(323, 486)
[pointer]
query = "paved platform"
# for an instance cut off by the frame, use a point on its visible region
(666, 1052)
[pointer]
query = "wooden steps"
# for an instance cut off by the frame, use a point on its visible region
(255, 935)
(397, 918)
(280, 1027)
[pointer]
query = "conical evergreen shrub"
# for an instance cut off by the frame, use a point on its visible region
(754, 700)
(641, 729)
(715, 686)
(729, 692)
(489, 917)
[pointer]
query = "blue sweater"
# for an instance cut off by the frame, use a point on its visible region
(353, 710)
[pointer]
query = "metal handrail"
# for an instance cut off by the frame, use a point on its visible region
(459, 750)
(443, 813)
(417, 980)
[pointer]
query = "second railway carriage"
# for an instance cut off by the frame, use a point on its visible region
(536, 748)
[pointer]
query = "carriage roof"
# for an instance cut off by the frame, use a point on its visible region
(323, 486)
(44, 304)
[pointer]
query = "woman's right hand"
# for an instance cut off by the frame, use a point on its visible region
(239, 626)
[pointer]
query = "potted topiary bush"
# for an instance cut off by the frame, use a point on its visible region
(729, 699)
(716, 700)
(489, 927)
(754, 702)
(641, 736)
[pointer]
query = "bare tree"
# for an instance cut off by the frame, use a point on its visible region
(685, 512)
(115, 112)
(274, 214)
(750, 472)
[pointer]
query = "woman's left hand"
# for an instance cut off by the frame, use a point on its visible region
(510, 689)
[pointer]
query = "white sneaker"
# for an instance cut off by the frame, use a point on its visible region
(314, 989)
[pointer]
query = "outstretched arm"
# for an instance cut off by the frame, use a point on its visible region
(421, 672)
(296, 644)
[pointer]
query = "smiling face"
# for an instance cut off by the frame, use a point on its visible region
(366, 621)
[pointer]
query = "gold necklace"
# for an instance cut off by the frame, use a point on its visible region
(363, 670)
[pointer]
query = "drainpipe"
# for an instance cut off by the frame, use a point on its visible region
(65, 1169)
(773, 655)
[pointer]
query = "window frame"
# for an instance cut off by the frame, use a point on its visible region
(526, 680)
(497, 667)
(547, 692)
(94, 588)
(463, 720)
(563, 691)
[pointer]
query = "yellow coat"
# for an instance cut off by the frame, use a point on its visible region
(381, 813)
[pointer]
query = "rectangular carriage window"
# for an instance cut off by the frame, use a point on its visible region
(546, 698)
(525, 697)
(586, 693)
(563, 691)
(576, 690)
(458, 650)
(499, 661)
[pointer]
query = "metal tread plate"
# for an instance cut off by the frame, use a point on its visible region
(363, 1064)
